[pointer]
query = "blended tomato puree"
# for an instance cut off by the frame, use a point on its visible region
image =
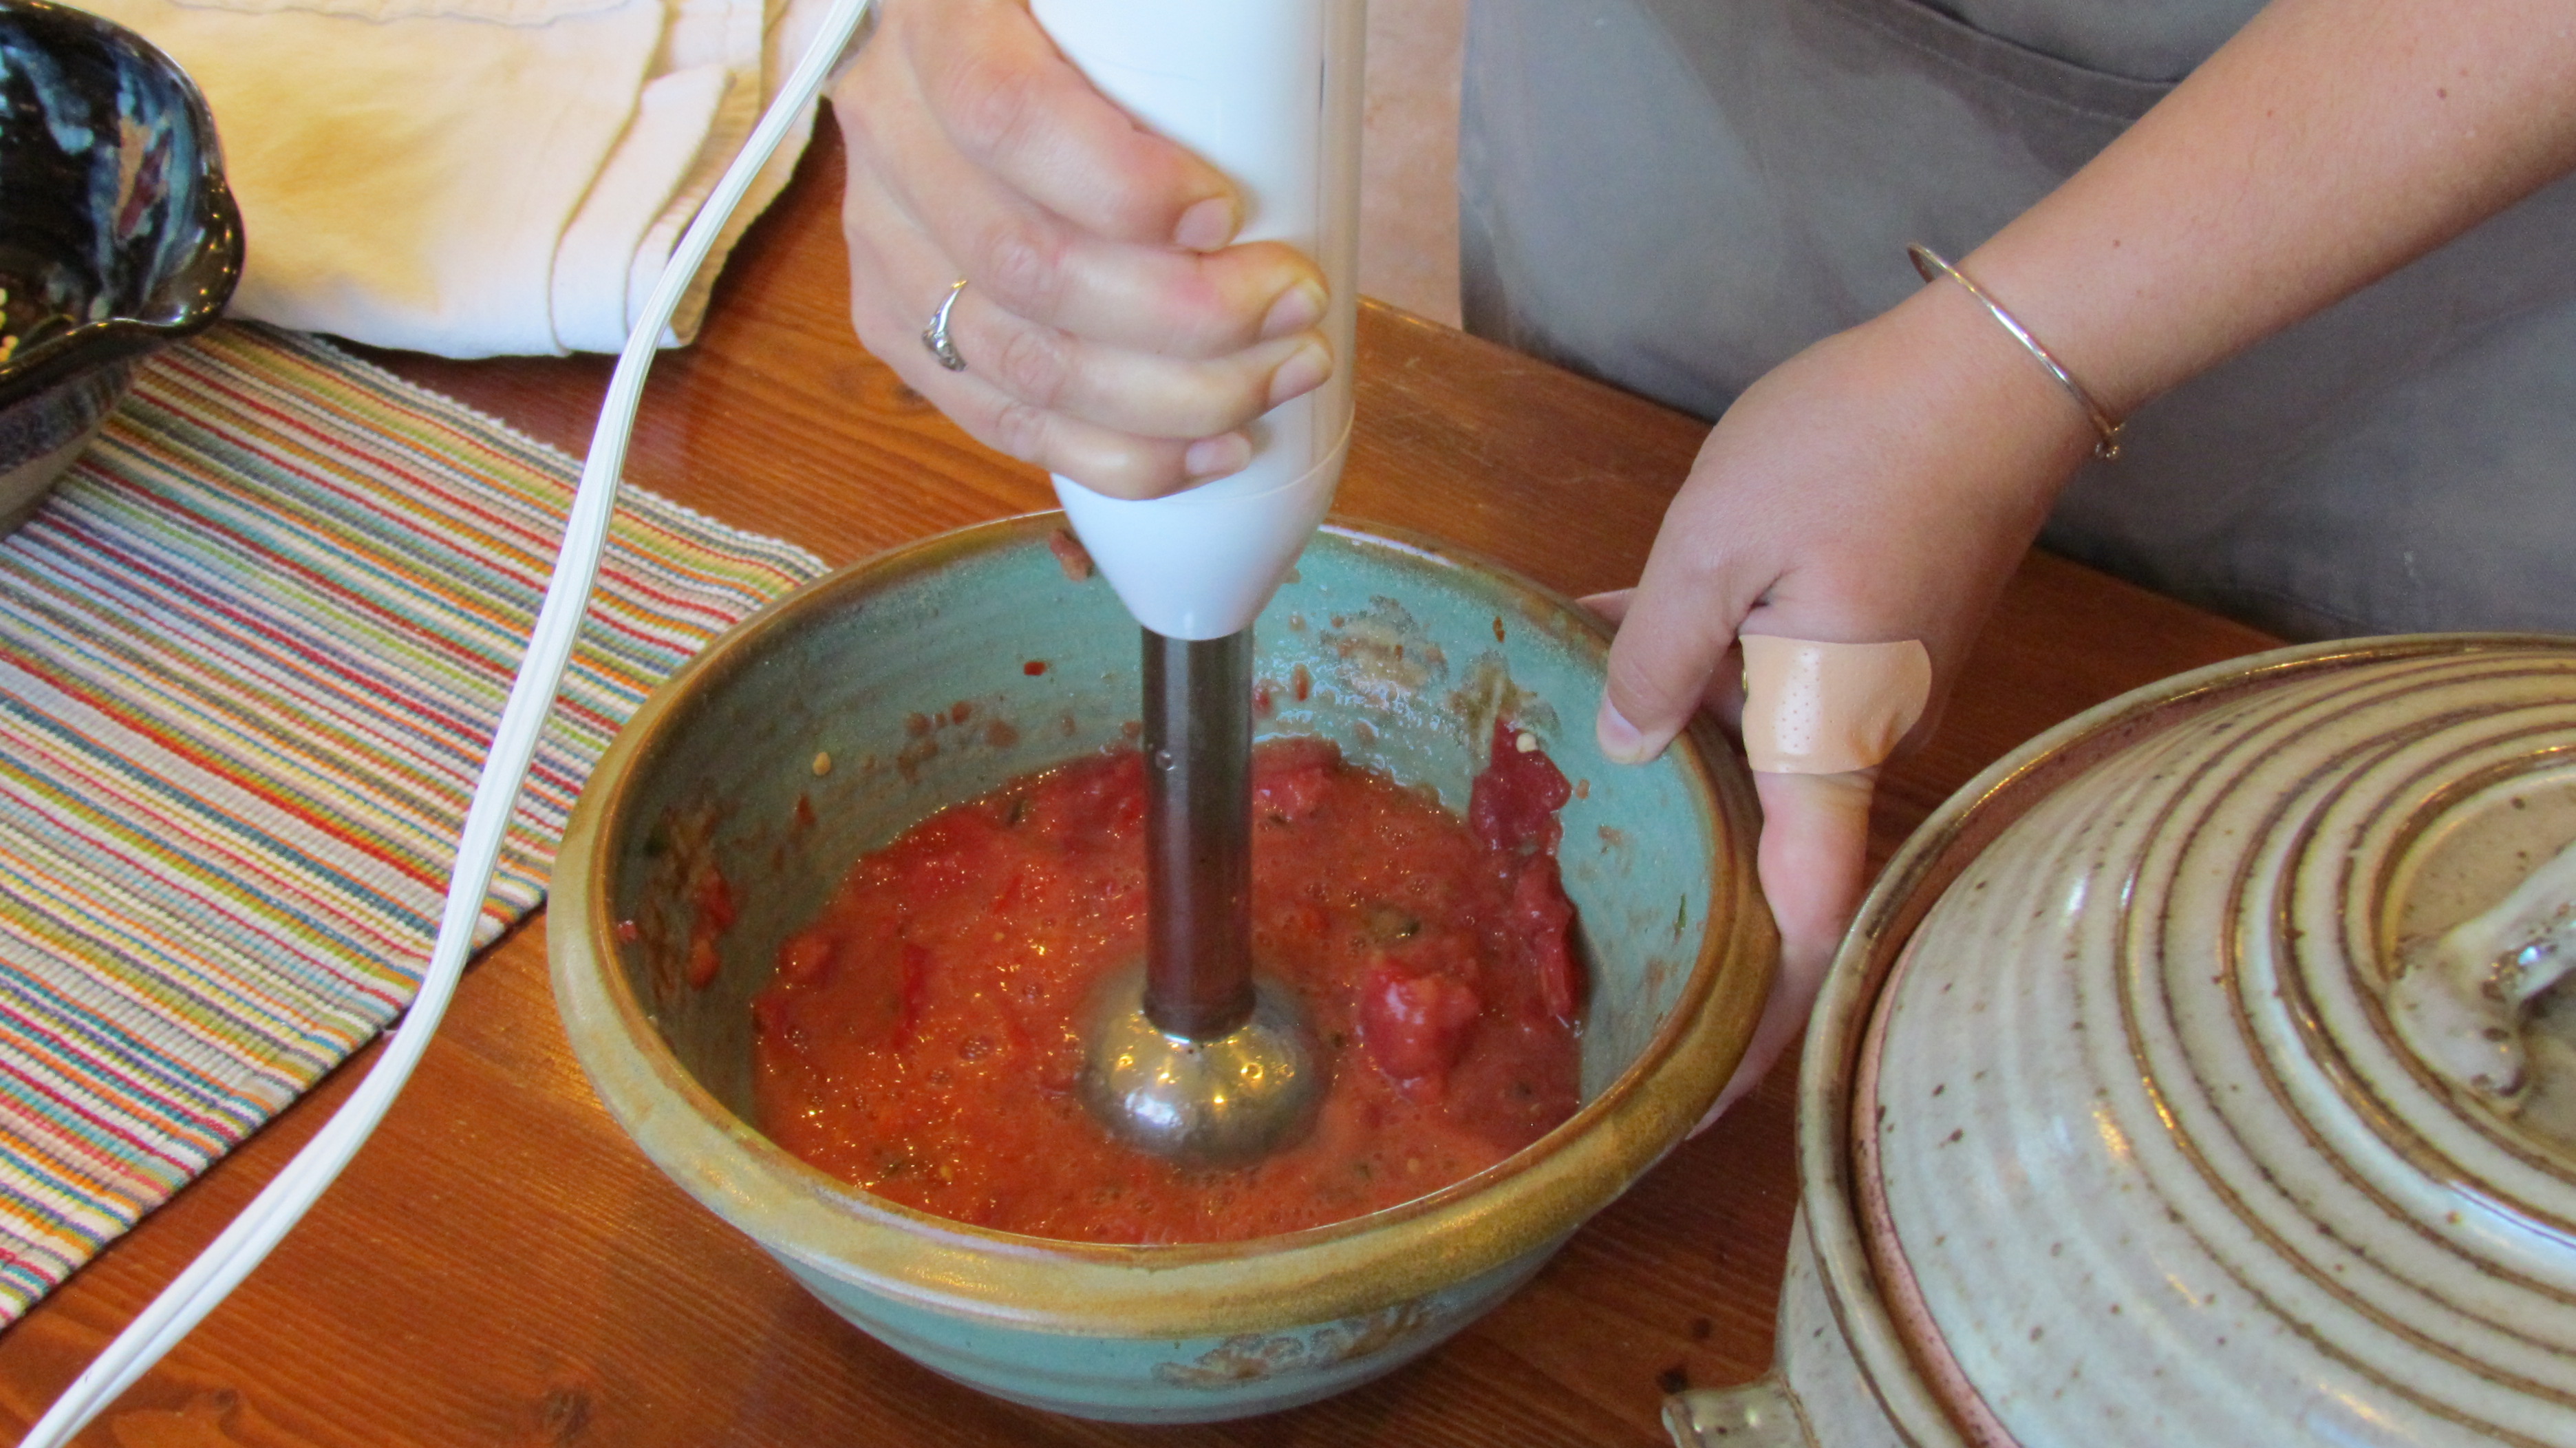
(919, 1038)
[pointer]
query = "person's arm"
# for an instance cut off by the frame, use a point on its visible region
(2329, 143)
(1108, 330)
(1882, 484)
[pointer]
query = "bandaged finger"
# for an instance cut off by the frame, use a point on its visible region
(1826, 708)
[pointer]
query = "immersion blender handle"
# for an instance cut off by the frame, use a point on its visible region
(1268, 92)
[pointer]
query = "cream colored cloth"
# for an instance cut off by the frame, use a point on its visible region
(474, 177)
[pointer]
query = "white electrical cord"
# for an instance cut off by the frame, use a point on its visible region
(514, 742)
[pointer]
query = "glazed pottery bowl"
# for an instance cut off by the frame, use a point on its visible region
(2126, 1118)
(838, 717)
(117, 234)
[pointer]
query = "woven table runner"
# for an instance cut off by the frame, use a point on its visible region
(251, 652)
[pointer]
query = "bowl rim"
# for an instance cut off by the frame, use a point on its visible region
(1909, 1368)
(1524, 1204)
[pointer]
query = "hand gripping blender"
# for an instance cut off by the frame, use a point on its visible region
(1193, 1057)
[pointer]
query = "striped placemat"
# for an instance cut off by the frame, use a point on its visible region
(250, 654)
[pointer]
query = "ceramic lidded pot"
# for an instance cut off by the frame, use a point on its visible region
(2197, 1075)
(863, 702)
(117, 234)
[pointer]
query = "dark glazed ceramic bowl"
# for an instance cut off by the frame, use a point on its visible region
(117, 234)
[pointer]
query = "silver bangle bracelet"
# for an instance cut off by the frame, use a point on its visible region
(2107, 446)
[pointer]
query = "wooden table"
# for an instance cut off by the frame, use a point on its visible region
(501, 1266)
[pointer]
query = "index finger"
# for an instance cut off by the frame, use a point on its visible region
(1814, 862)
(1014, 105)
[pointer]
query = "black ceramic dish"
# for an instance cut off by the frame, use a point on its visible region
(117, 233)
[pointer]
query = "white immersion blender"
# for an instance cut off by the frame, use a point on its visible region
(1193, 1057)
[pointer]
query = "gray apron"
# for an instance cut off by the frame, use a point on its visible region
(1675, 195)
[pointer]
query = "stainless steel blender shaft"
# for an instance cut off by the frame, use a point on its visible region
(1198, 834)
(1191, 1057)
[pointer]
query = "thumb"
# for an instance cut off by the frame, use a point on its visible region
(1009, 101)
(1612, 605)
(1675, 630)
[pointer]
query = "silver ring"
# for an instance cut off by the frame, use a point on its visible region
(935, 336)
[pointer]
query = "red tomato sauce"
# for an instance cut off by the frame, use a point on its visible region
(919, 1038)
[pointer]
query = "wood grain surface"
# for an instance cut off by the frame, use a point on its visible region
(500, 1265)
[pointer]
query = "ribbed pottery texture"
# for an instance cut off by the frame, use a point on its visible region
(2143, 1160)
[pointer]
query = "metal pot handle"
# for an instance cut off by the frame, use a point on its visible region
(1759, 1414)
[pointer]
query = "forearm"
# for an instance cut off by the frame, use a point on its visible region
(1881, 484)
(2329, 143)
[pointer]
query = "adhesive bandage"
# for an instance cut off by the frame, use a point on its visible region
(1820, 708)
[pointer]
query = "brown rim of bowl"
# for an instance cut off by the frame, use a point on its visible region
(1909, 1368)
(1192, 1290)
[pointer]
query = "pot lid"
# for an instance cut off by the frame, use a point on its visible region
(2221, 1096)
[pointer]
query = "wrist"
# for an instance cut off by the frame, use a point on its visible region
(1933, 268)
(1975, 390)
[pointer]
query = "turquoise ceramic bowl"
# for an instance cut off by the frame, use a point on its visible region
(828, 723)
